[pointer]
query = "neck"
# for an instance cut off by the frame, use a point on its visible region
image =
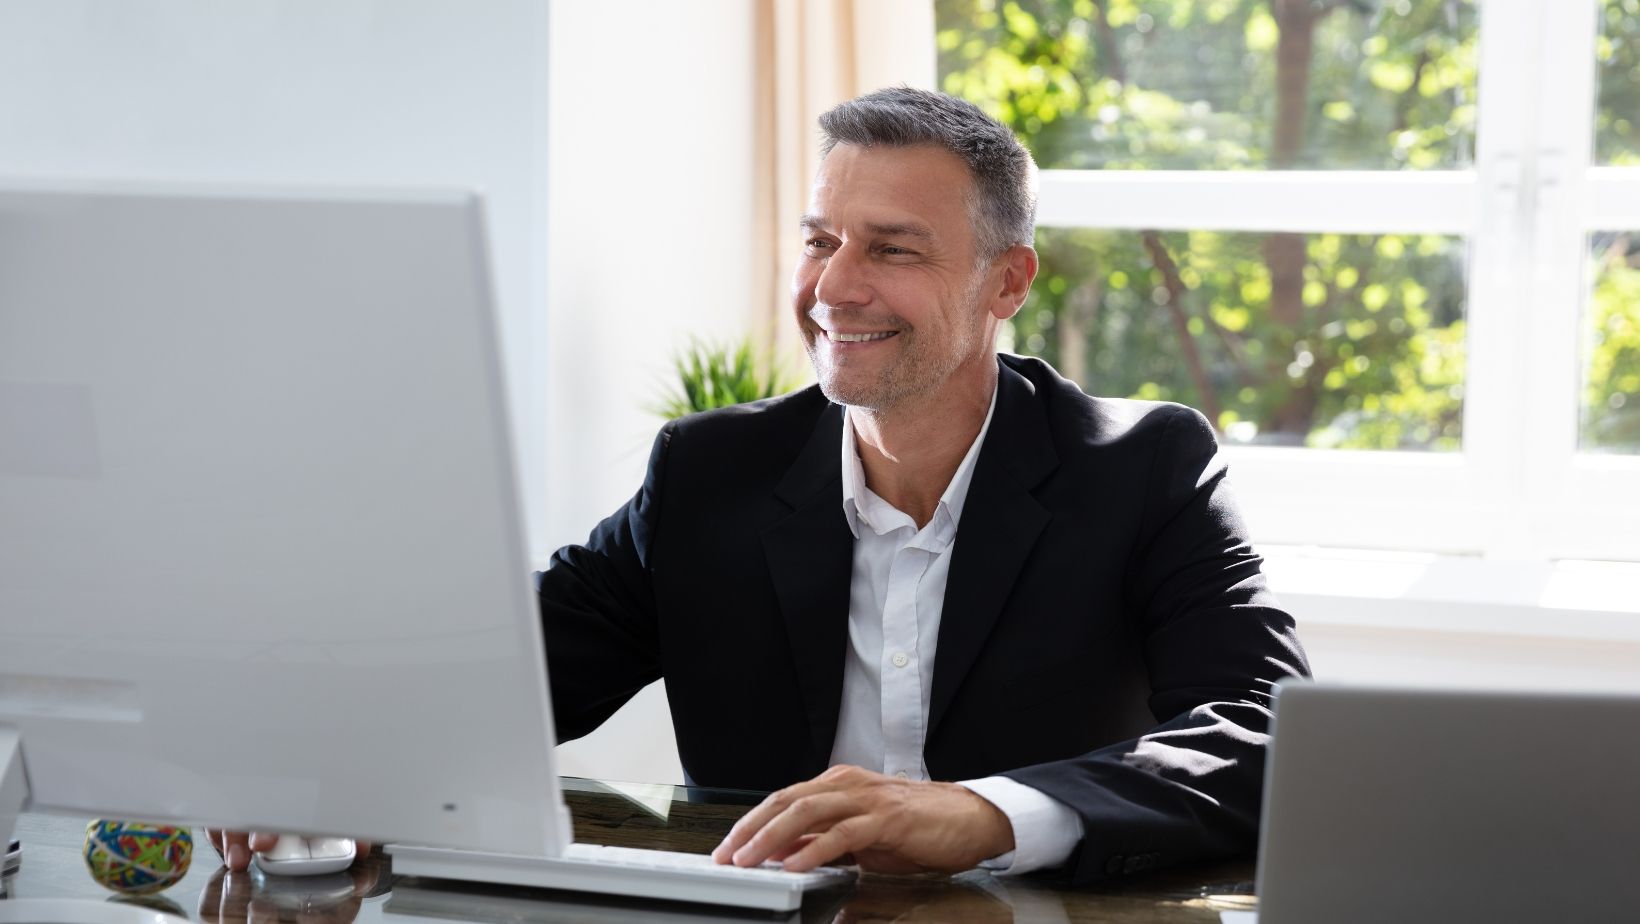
(910, 452)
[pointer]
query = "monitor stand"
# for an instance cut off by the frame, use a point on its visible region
(13, 799)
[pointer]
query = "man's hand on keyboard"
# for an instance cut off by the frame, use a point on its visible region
(885, 824)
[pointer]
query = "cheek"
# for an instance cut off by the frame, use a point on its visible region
(803, 282)
(909, 298)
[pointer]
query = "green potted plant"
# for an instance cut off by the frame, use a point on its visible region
(713, 375)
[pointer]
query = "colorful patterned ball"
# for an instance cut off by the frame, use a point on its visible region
(133, 858)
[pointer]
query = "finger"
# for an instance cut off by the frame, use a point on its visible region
(835, 778)
(808, 815)
(852, 834)
(236, 851)
(214, 835)
(361, 849)
(262, 840)
(752, 822)
(780, 856)
(792, 848)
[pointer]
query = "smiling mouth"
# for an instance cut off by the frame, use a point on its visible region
(836, 337)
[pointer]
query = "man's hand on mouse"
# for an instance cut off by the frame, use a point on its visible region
(236, 847)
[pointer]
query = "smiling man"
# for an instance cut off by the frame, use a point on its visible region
(950, 609)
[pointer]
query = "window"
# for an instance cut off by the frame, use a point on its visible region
(1362, 348)
(1611, 393)
(1386, 247)
(1610, 419)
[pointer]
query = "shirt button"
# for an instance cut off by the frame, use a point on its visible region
(903, 775)
(900, 659)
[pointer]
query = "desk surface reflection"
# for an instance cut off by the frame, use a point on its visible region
(628, 815)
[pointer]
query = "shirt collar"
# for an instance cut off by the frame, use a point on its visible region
(861, 505)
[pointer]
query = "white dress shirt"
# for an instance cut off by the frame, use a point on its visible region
(896, 594)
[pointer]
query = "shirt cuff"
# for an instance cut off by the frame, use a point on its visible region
(1046, 831)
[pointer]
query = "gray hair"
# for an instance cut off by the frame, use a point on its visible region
(1002, 208)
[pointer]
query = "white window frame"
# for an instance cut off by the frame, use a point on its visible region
(1518, 489)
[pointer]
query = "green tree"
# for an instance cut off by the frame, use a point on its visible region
(1617, 110)
(1611, 391)
(1324, 339)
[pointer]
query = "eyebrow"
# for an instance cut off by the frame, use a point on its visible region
(921, 232)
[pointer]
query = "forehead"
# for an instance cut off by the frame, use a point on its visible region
(882, 185)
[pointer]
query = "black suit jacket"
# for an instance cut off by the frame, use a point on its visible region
(1106, 638)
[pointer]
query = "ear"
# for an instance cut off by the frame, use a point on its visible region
(1018, 267)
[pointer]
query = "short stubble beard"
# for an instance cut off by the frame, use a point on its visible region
(912, 373)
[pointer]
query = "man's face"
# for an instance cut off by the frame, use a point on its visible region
(887, 294)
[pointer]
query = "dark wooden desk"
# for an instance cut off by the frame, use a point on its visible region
(670, 817)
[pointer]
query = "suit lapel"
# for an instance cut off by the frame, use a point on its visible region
(810, 553)
(1000, 524)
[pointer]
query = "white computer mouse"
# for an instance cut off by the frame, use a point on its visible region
(294, 855)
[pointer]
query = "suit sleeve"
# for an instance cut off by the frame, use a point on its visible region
(598, 611)
(1215, 644)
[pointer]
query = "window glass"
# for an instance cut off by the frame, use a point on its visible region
(1611, 390)
(1617, 107)
(1221, 84)
(1322, 340)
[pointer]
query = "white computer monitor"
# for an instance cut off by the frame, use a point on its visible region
(261, 554)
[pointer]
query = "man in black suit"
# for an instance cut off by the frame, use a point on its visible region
(940, 564)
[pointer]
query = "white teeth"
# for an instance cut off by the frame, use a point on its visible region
(836, 337)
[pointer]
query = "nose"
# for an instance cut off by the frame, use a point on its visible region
(844, 279)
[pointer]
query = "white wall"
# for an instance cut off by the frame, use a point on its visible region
(340, 92)
(1404, 618)
(613, 147)
(651, 201)
(1431, 658)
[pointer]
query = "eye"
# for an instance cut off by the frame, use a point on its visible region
(817, 245)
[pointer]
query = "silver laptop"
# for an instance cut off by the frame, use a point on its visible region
(1409, 806)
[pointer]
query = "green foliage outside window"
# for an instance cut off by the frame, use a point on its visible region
(1617, 112)
(1326, 340)
(1220, 84)
(1611, 391)
(1371, 356)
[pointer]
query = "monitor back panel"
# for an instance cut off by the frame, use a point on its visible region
(1412, 806)
(261, 560)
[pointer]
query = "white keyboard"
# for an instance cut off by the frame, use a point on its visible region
(672, 859)
(662, 874)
